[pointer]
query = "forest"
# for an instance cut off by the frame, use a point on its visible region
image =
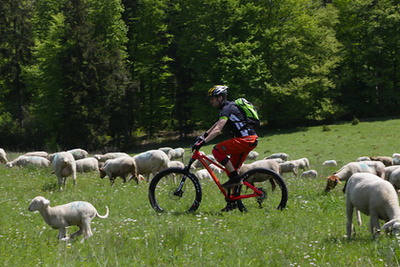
(108, 73)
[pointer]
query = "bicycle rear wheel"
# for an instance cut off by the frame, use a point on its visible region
(175, 190)
(275, 193)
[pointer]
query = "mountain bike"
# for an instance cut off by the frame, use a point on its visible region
(178, 190)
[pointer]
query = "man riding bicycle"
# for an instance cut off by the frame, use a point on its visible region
(232, 152)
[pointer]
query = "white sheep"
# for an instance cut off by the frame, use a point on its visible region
(119, 167)
(177, 153)
(389, 170)
(394, 178)
(396, 161)
(289, 166)
(330, 162)
(266, 163)
(253, 155)
(396, 155)
(43, 154)
(369, 194)
(283, 156)
(302, 163)
(87, 165)
(279, 160)
(309, 174)
(78, 153)
(388, 161)
(176, 164)
(23, 161)
(216, 169)
(165, 149)
(3, 156)
(111, 155)
(203, 175)
(78, 213)
(151, 162)
(61, 161)
(344, 173)
(363, 158)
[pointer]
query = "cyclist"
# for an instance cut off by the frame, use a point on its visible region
(232, 152)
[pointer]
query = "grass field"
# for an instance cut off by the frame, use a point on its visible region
(309, 232)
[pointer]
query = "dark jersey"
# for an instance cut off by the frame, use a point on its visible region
(236, 120)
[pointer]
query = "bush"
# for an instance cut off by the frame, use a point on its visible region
(355, 121)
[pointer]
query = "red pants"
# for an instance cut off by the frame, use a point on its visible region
(237, 148)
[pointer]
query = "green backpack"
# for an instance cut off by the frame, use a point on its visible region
(249, 111)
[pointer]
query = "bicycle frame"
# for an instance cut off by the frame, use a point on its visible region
(228, 196)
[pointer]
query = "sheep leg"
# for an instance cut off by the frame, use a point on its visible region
(349, 212)
(79, 232)
(62, 233)
(374, 225)
(87, 230)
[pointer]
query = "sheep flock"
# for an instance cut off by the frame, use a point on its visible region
(371, 184)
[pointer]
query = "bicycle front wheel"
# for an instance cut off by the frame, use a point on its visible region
(175, 190)
(275, 193)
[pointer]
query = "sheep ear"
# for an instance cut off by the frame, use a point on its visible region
(389, 224)
(46, 202)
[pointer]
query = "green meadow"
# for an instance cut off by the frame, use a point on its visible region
(311, 231)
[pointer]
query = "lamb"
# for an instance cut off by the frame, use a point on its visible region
(309, 174)
(302, 163)
(363, 158)
(3, 156)
(330, 162)
(374, 167)
(203, 175)
(112, 155)
(121, 167)
(394, 179)
(267, 164)
(389, 170)
(252, 155)
(374, 197)
(396, 155)
(63, 160)
(289, 166)
(23, 161)
(176, 164)
(87, 165)
(165, 149)
(78, 213)
(151, 162)
(177, 153)
(283, 156)
(42, 154)
(388, 161)
(78, 153)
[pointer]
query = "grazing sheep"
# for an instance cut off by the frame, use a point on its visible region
(388, 161)
(42, 154)
(283, 156)
(87, 165)
(216, 169)
(112, 155)
(203, 175)
(389, 170)
(374, 197)
(266, 164)
(78, 153)
(253, 155)
(23, 161)
(302, 163)
(3, 156)
(61, 161)
(176, 164)
(279, 160)
(363, 158)
(121, 167)
(151, 162)
(309, 174)
(165, 149)
(374, 167)
(289, 166)
(78, 213)
(177, 153)
(396, 155)
(330, 162)
(394, 178)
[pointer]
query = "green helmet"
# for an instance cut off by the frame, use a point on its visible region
(218, 90)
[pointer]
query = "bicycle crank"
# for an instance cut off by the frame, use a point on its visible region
(263, 197)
